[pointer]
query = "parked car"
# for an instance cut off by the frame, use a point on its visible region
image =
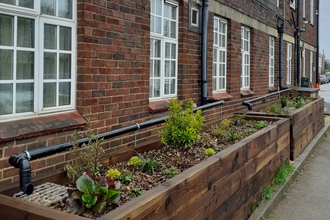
(323, 79)
(327, 75)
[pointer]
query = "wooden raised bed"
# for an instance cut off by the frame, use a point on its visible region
(306, 123)
(225, 186)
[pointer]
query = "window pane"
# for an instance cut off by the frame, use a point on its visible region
(167, 50)
(6, 64)
(26, 3)
(159, 7)
(166, 28)
(194, 16)
(157, 48)
(64, 96)
(25, 65)
(47, 7)
(50, 36)
(25, 32)
(24, 97)
(6, 99)
(157, 68)
(156, 87)
(151, 68)
(65, 66)
(65, 8)
(6, 30)
(65, 38)
(214, 86)
(50, 65)
(167, 11)
(49, 94)
(158, 25)
(173, 51)
(214, 69)
(215, 55)
(173, 29)
(172, 91)
(152, 23)
(167, 87)
(167, 68)
(12, 2)
(173, 13)
(173, 65)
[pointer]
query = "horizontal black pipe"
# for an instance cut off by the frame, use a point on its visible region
(248, 103)
(21, 160)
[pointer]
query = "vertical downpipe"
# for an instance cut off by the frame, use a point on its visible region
(298, 32)
(204, 52)
(317, 43)
(280, 31)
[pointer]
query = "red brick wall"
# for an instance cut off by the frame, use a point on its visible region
(113, 42)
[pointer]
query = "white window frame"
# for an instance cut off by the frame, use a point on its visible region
(271, 61)
(304, 8)
(278, 3)
(194, 8)
(163, 39)
(245, 69)
(293, 4)
(289, 63)
(311, 12)
(38, 81)
(219, 47)
(311, 66)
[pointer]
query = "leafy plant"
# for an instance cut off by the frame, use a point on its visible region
(282, 174)
(134, 161)
(284, 101)
(93, 193)
(239, 119)
(267, 193)
(135, 192)
(299, 101)
(113, 173)
(209, 151)
(233, 136)
(87, 157)
(126, 177)
(172, 171)
(225, 123)
(149, 165)
(218, 131)
(276, 108)
(261, 124)
(181, 128)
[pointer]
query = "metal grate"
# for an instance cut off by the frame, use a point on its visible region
(45, 194)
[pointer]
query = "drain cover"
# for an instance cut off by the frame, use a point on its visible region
(45, 194)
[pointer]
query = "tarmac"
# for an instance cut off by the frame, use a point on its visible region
(306, 194)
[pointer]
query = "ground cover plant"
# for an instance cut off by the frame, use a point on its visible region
(287, 105)
(189, 146)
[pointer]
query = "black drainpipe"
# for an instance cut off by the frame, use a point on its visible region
(21, 160)
(204, 52)
(317, 42)
(280, 30)
(297, 34)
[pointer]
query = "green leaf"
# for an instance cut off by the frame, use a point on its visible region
(99, 206)
(85, 184)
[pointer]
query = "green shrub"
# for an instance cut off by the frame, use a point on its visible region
(209, 151)
(172, 171)
(113, 174)
(181, 128)
(134, 161)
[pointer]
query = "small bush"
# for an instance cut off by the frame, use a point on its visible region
(113, 174)
(134, 161)
(209, 151)
(181, 128)
(172, 171)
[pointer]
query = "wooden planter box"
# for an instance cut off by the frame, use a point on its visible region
(225, 186)
(306, 123)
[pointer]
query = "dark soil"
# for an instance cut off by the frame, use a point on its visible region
(168, 157)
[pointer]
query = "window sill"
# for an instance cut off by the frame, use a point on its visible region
(247, 93)
(272, 89)
(159, 106)
(222, 96)
(42, 125)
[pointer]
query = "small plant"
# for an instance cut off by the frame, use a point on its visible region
(233, 136)
(126, 177)
(282, 174)
(299, 101)
(149, 165)
(261, 124)
(134, 161)
(239, 119)
(113, 174)
(284, 101)
(172, 171)
(87, 157)
(209, 151)
(276, 108)
(181, 128)
(267, 193)
(218, 131)
(92, 193)
(225, 123)
(135, 192)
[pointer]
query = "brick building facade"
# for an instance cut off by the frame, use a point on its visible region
(120, 62)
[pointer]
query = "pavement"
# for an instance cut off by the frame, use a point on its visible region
(306, 194)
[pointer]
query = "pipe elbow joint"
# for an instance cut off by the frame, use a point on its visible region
(25, 176)
(248, 104)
